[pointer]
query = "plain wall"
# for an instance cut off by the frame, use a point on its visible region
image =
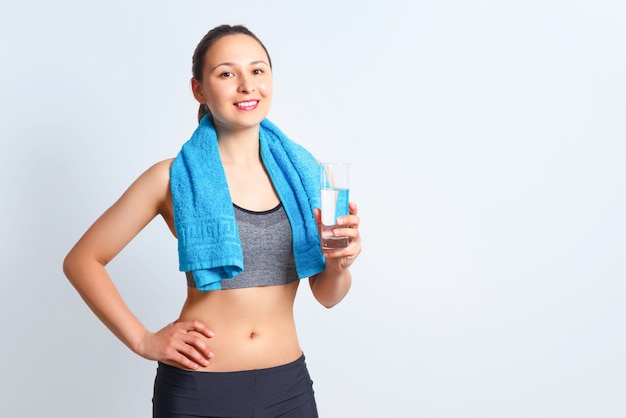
(487, 142)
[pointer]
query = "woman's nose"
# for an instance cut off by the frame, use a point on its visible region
(245, 84)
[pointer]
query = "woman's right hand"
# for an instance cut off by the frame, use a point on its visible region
(176, 343)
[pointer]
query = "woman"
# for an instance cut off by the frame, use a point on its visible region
(244, 241)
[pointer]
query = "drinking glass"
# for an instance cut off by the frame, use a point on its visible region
(335, 196)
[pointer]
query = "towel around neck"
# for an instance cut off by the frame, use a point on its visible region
(204, 218)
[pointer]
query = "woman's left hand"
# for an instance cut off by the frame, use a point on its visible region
(341, 259)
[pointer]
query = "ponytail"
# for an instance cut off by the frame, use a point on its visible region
(202, 111)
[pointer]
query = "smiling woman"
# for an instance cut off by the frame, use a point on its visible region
(236, 77)
(220, 65)
(238, 199)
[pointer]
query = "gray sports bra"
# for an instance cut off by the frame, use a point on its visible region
(267, 250)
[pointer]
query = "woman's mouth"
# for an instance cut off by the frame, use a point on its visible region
(247, 105)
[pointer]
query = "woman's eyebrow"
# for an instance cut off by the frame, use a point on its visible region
(232, 64)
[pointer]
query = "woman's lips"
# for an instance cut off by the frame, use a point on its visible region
(247, 105)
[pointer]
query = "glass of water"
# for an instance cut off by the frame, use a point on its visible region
(335, 187)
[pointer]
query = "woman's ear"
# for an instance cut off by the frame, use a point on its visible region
(196, 89)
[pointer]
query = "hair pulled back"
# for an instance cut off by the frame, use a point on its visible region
(207, 42)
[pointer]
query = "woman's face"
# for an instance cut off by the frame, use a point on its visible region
(236, 82)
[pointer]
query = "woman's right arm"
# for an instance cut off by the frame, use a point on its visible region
(85, 264)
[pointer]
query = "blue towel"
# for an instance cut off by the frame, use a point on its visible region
(204, 217)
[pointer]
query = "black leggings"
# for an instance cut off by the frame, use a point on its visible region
(283, 391)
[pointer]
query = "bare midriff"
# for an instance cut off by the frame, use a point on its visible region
(253, 328)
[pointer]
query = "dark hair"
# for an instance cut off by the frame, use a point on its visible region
(207, 42)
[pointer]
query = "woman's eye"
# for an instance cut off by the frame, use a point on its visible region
(226, 74)
(258, 71)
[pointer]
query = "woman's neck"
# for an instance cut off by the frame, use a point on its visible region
(239, 146)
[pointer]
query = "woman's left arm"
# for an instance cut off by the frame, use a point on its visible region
(331, 285)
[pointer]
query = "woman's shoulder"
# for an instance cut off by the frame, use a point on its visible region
(159, 171)
(154, 180)
(163, 165)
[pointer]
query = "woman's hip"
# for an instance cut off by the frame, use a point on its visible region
(285, 390)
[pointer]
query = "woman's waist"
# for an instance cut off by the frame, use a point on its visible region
(251, 355)
(245, 341)
(235, 330)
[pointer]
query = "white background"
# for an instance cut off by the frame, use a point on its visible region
(487, 142)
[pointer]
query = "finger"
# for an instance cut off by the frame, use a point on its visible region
(351, 233)
(317, 214)
(197, 326)
(351, 251)
(199, 345)
(186, 362)
(185, 332)
(351, 221)
(344, 258)
(347, 230)
(196, 355)
(177, 351)
(353, 208)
